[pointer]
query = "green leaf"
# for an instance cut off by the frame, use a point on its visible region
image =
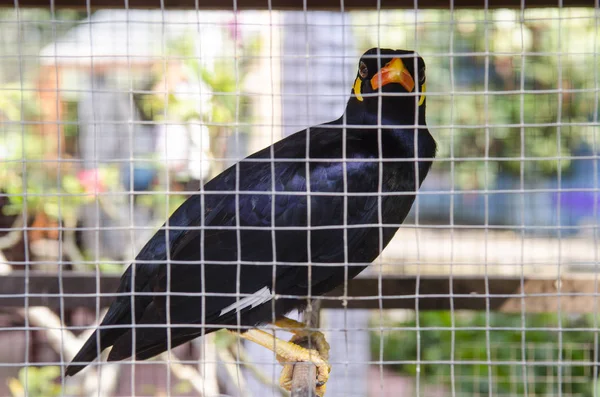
(51, 208)
(183, 387)
(71, 184)
(111, 268)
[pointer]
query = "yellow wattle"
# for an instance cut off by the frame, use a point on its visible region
(357, 84)
(423, 89)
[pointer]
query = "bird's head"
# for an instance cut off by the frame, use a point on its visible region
(395, 76)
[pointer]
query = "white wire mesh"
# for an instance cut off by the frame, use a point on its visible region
(508, 212)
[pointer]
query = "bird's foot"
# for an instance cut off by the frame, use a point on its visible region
(303, 335)
(296, 354)
(289, 353)
(314, 339)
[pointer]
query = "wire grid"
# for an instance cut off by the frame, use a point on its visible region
(90, 98)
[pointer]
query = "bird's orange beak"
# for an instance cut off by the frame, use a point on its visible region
(393, 72)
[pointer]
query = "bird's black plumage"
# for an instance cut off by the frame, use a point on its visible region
(221, 243)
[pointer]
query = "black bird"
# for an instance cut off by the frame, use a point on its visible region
(252, 233)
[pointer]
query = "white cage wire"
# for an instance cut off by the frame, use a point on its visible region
(109, 119)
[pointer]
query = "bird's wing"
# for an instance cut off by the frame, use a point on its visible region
(238, 225)
(158, 268)
(224, 243)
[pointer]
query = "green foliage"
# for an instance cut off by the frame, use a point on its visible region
(17, 101)
(31, 182)
(224, 339)
(503, 91)
(34, 183)
(37, 27)
(470, 347)
(58, 196)
(162, 203)
(36, 382)
(224, 78)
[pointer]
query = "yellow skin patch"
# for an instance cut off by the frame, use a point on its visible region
(423, 89)
(357, 84)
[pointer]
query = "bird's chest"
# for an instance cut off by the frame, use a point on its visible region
(387, 209)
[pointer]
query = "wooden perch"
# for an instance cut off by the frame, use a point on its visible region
(305, 374)
(303, 379)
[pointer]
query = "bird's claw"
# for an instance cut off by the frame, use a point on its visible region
(317, 357)
(314, 339)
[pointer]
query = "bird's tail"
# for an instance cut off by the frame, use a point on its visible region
(90, 351)
(153, 340)
(87, 354)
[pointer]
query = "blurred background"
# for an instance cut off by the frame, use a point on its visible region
(109, 120)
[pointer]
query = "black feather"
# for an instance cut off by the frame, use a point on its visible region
(221, 243)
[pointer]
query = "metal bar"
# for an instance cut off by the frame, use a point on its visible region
(398, 292)
(333, 5)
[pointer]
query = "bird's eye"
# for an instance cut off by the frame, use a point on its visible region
(363, 71)
(422, 75)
